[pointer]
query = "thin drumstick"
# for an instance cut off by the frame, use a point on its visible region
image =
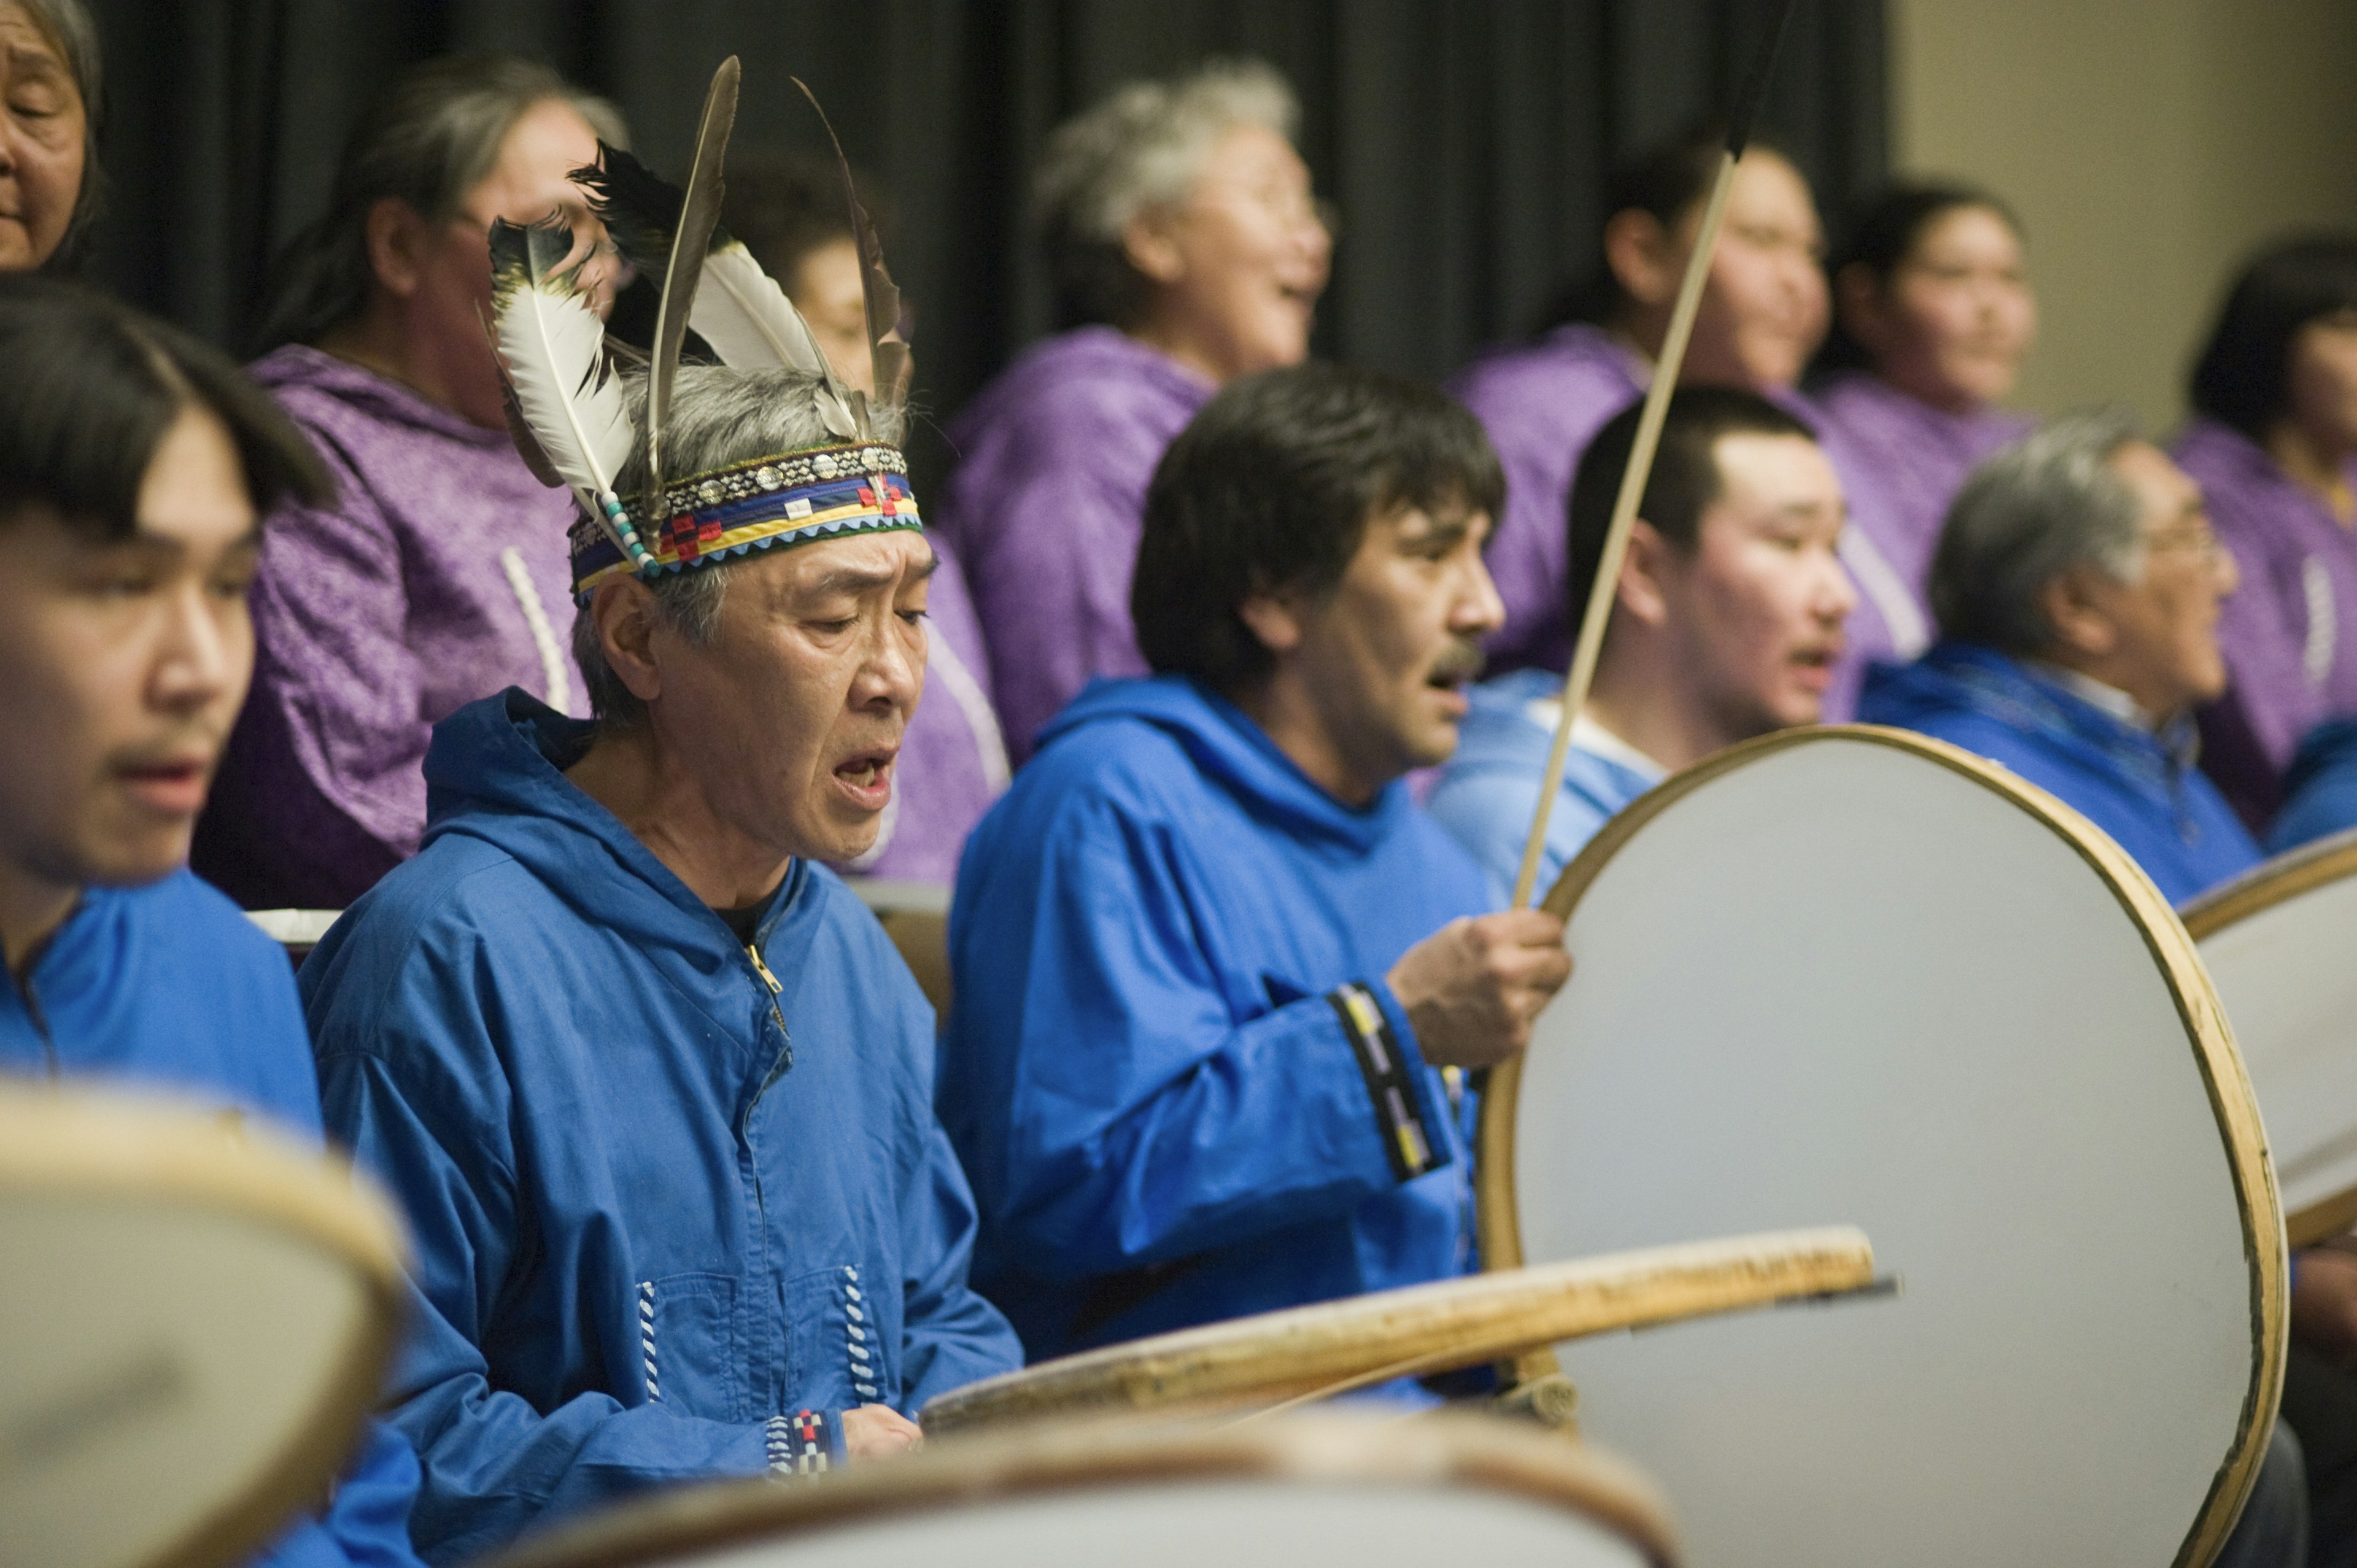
(1633, 478)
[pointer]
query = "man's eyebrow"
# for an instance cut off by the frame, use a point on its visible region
(860, 579)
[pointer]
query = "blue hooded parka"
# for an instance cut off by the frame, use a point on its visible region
(2151, 800)
(677, 1206)
(1173, 1068)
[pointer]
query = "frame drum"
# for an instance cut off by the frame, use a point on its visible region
(194, 1319)
(1306, 1353)
(1854, 971)
(2281, 944)
(1302, 1488)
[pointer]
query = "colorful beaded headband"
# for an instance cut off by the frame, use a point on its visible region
(765, 504)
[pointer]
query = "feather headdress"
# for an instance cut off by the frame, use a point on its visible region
(565, 403)
(571, 423)
(739, 310)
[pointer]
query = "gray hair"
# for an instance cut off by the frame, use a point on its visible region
(718, 417)
(427, 140)
(2048, 503)
(70, 31)
(1142, 147)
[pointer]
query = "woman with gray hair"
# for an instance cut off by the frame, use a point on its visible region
(436, 573)
(1185, 243)
(2077, 585)
(48, 102)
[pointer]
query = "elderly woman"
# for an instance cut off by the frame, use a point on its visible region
(952, 760)
(1180, 227)
(2274, 442)
(432, 577)
(48, 98)
(1932, 315)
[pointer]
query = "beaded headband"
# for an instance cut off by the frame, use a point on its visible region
(769, 503)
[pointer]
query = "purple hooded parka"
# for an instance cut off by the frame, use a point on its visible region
(438, 574)
(1045, 507)
(2288, 632)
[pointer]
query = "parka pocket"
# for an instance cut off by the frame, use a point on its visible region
(687, 1345)
(837, 1345)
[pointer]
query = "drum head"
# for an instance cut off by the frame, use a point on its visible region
(2277, 945)
(192, 1329)
(1851, 973)
(1306, 1353)
(1282, 1491)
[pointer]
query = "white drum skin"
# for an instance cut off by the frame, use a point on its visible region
(1861, 977)
(2280, 945)
(195, 1319)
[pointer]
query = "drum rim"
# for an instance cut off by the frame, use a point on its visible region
(106, 1143)
(2280, 880)
(1463, 1452)
(1458, 1322)
(2232, 1102)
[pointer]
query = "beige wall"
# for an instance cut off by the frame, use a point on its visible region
(2149, 145)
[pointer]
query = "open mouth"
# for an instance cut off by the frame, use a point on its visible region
(171, 787)
(866, 776)
(1816, 665)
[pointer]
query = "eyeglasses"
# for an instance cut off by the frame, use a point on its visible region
(2197, 535)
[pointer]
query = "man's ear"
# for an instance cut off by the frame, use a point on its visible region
(396, 240)
(1148, 245)
(624, 611)
(2073, 603)
(1275, 619)
(1643, 261)
(1642, 593)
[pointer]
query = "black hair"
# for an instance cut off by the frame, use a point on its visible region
(1270, 489)
(1685, 479)
(428, 139)
(785, 205)
(2242, 378)
(92, 388)
(1666, 181)
(1882, 235)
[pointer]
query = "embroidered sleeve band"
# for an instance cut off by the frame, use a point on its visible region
(799, 1444)
(1385, 1069)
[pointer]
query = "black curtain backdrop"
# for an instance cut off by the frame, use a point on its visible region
(1463, 141)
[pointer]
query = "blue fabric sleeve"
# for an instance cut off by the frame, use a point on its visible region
(492, 1462)
(366, 1523)
(950, 1336)
(1157, 1107)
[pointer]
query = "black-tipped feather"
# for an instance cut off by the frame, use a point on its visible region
(699, 213)
(888, 350)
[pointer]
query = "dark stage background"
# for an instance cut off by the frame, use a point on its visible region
(1463, 143)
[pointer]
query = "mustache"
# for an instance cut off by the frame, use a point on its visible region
(1462, 660)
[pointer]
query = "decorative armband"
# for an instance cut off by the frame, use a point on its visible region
(1385, 1069)
(799, 1443)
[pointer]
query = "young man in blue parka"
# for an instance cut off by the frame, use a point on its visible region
(133, 467)
(1216, 975)
(654, 1085)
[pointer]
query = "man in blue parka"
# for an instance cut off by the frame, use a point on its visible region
(1211, 961)
(2077, 583)
(655, 1088)
(1726, 625)
(133, 467)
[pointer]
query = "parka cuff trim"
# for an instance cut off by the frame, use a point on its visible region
(1387, 1069)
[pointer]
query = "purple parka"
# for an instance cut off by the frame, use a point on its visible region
(1045, 507)
(2290, 632)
